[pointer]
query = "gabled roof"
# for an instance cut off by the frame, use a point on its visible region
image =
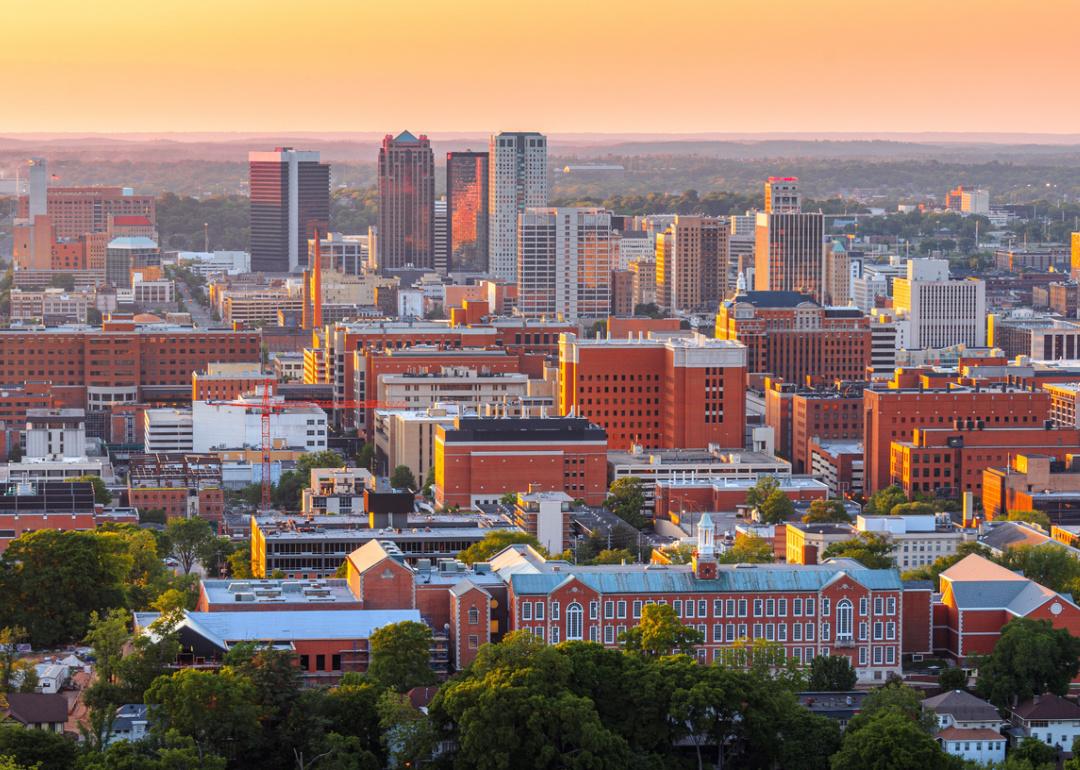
(1009, 534)
(963, 706)
(970, 734)
(369, 554)
(975, 567)
(35, 708)
(978, 583)
(465, 585)
(1047, 707)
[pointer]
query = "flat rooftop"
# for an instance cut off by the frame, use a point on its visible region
(709, 456)
(786, 482)
(330, 591)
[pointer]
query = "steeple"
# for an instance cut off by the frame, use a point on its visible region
(704, 561)
(740, 284)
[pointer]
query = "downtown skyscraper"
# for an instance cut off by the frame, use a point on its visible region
(290, 200)
(789, 249)
(565, 258)
(692, 264)
(406, 203)
(518, 181)
(467, 211)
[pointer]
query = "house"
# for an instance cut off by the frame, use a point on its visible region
(968, 727)
(37, 711)
(1049, 718)
(841, 706)
(978, 597)
(51, 677)
(130, 724)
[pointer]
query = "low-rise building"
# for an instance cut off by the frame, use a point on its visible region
(968, 727)
(180, 485)
(807, 543)
(167, 431)
(1048, 718)
(918, 540)
(724, 495)
(839, 465)
(546, 516)
(336, 491)
(407, 437)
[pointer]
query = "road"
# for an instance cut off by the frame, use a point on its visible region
(200, 314)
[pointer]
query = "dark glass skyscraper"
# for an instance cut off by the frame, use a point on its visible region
(406, 203)
(290, 199)
(467, 211)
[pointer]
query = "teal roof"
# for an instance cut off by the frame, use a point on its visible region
(748, 579)
(406, 136)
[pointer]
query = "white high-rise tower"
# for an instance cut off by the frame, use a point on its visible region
(518, 179)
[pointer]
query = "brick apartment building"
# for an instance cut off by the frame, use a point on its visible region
(180, 485)
(893, 415)
(667, 393)
(798, 416)
(120, 363)
(791, 337)
(1031, 481)
(480, 459)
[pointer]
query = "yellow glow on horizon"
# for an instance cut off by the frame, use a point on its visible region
(560, 66)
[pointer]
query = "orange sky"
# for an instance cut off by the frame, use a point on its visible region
(565, 66)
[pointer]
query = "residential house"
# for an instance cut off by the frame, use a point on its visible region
(968, 727)
(1049, 718)
(37, 711)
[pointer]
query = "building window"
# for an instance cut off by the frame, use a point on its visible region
(844, 619)
(539, 610)
(729, 608)
(862, 656)
(825, 607)
(718, 608)
(810, 607)
(689, 608)
(702, 608)
(759, 608)
(757, 631)
(770, 632)
(809, 633)
(609, 610)
(826, 631)
(877, 656)
(877, 605)
(474, 641)
(796, 607)
(335, 663)
(890, 655)
(554, 634)
(637, 609)
(890, 630)
(863, 630)
(863, 604)
(796, 632)
(526, 610)
(770, 608)
(320, 663)
(677, 606)
(718, 632)
(890, 605)
(781, 632)
(622, 609)
(575, 617)
(474, 616)
(594, 634)
(781, 607)
(729, 632)
(609, 635)
(304, 663)
(878, 629)
(594, 610)
(742, 608)
(555, 609)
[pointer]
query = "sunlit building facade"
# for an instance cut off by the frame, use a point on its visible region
(467, 211)
(406, 203)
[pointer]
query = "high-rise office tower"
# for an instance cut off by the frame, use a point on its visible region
(565, 260)
(789, 249)
(518, 181)
(406, 202)
(467, 211)
(290, 200)
(692, 264)
(39, 183)
(440, 226)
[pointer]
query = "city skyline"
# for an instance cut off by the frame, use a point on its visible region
(190, 72)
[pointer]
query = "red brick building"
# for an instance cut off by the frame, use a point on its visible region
(978, 597)
(93, 368)
(893, 414)
(678, 392)
(951, 461)
(1034, 482)
(75, 211)
(790, 336)
(798, 416)
(482, 458)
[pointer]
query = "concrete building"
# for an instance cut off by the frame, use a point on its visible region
(934, 311)
(789, 252)
(662, 393)
(229, 427)
(644, 281)
(839, 465)
(406, 203)
(335, 491)
(167, 430)
(564, 263)
(725, 495)
(546, 516)
(465, 386)
(76, 211)
(918, 540)
(127, 254)
(52, 307)
(692, 264)
(290, 201)
(55, 434)
(632, 246)
(207, 263)
(407, 437)
(807, 543)
(518, 181)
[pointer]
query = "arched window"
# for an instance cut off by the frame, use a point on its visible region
(575, 617)
(844, 619)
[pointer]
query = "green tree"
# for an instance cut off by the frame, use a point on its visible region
(912, 509)
(932, 571)
(152, 516)
(240, 560)
(907, 700)
(15, 672)
(760, 491)
(508, 498)
(1030, 657)
(402, 478)
(187, 538)
(400, 656)
(50, 582)
(1033, 753)
(1050, 565)
(660, 632)
(326, 458)
(214, 555)
(777, 508)
(748, 549)
(831, 673)
(890, 741)
(613, 556)
(365, 458)
(495, 541)
(1038, 518)
(626, 499)
(218, 710)
(408, 736)
(65, 281)
(870, 549)
(824, 511)
(42, 749)
(102, 495)
(952, 678)
(884, 500)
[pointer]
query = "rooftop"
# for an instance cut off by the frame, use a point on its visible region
(330, 591)
(963, 706)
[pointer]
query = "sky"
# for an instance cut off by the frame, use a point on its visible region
(678, 66)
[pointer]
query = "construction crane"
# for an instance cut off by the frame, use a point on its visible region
(267, 407)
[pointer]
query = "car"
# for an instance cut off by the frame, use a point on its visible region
(171, 562)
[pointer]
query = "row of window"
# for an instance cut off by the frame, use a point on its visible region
(732, 608)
